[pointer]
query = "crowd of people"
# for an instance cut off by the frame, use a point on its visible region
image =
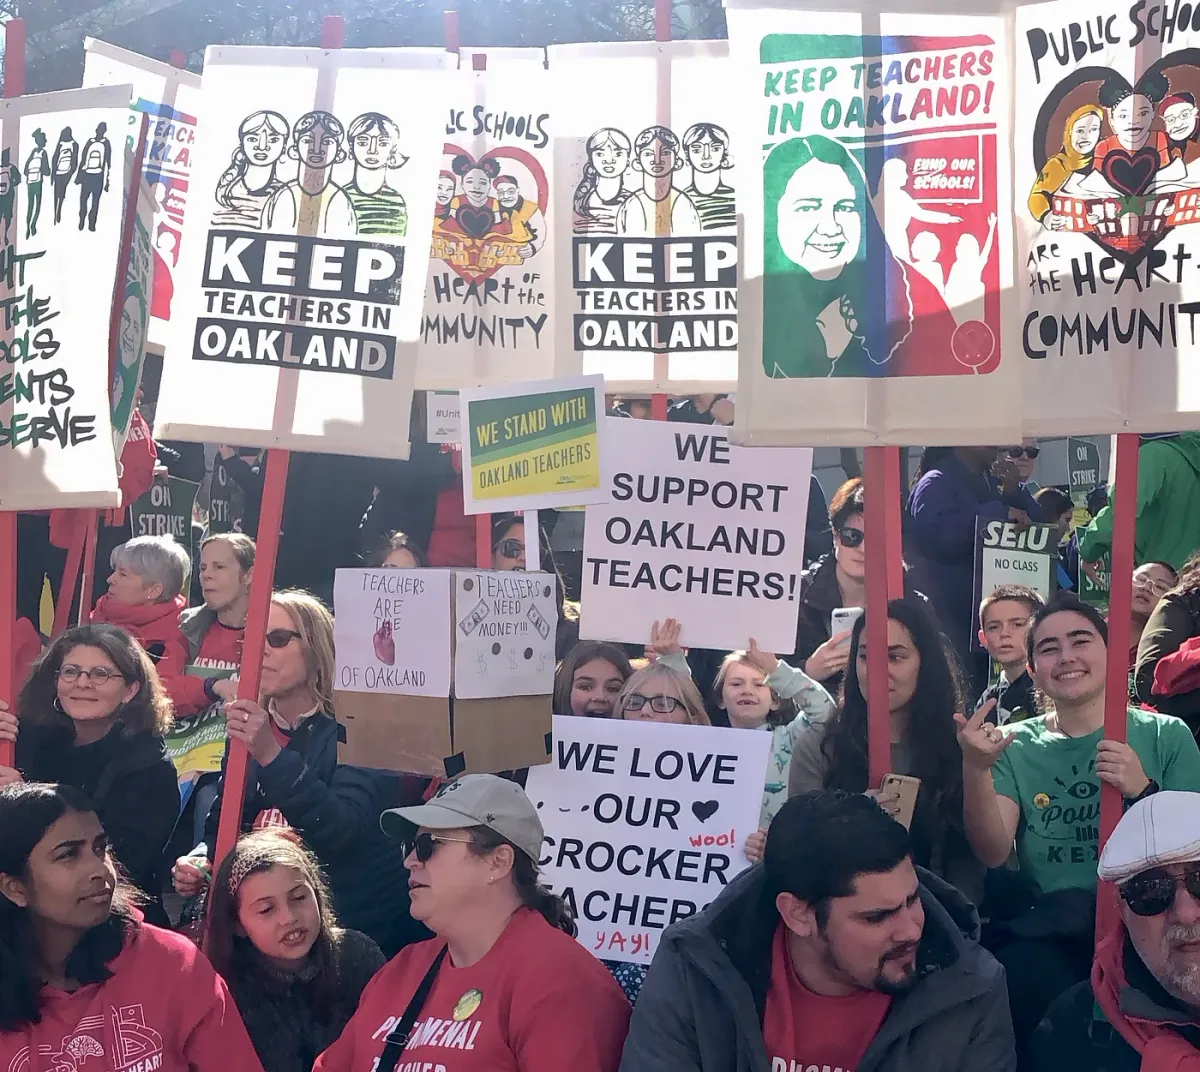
(375, 920)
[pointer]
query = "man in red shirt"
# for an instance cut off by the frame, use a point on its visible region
(836, 953)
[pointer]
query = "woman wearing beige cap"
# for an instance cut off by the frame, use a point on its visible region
(503, 986)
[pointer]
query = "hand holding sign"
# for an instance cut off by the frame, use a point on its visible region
(664, 640)
(385, 644)
(760, 659)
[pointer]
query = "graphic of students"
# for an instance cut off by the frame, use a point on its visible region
(926, 248)
(964, 286)
(37, 167)
(657, 208)
(166, 259)
(1182, 120)
(378, 208)
(446, 186)
(313, 203)
(10, 178)
(528, 225)
(707, 148)
(601, 191)
(66, 159)
(1080, 138)
(246, 188)
(475, 212)
(130, 351)
(95, 165)
(898, 208)
(1131, 112)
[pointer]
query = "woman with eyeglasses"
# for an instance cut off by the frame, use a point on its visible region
(1166, 670)
(295, 779)
(1151, 581)
(93, 715)
(503, 985)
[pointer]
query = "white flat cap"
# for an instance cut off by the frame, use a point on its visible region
(1162, 829)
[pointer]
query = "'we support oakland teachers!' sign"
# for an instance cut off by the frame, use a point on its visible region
(536, 445)
(300, 289)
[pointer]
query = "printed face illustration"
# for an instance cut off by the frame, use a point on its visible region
(373, 149)
(820, 222)
(131, 331)
(1131, 121)
(263, 146)
(658, 160)
(610, 160)
(705, 154)
(445, 190)
(477, 185)
(318, 147)
(1180, 119)
(1085, 134)
(508, 194)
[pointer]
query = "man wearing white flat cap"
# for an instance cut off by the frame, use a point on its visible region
(1141, 1010)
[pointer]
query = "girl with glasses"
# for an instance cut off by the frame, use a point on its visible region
(295, 780)
(1151, 581)
(93, 715)
(1165, 675)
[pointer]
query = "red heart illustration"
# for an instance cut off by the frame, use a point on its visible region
(1131, 173)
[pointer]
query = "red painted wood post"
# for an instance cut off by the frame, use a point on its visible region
(876, 461)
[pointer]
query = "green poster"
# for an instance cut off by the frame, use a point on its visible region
(1089, 590)
(166, 510)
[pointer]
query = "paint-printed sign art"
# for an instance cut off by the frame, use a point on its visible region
(1108, 193)
(644, 824)
(62, 192)
(1004, 556)
(130, 343)
(302, 288)
(392, 631)
(170, 97)
(489, 299)
(876, 226)
(648, 174)
(504, 632)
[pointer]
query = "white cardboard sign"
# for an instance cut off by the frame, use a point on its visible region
(442, 421)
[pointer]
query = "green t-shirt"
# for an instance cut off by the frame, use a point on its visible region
(1052, 777)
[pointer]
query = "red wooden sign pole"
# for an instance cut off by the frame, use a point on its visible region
(881, 502)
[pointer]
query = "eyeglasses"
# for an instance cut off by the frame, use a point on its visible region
(510, 548)
(849, 537)
(281, 638)
(97, 675)
(1153, 892)
(423, 846)
(661, 705)
(1159, 588)
(1023, 452)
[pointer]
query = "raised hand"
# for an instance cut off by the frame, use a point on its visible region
(980, 741)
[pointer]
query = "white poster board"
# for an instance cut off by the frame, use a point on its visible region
(392, 631)
(644, 184)
(1107, 204)
(489, 302)
(876, 299)
(504, 634)
(644, 823)
(62, 199)
(171, 99)
(137, 301)
(698, 530)
(299, 302)
(442, 423)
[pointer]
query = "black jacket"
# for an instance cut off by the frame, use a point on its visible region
(1017, 700)
(336, 810)
(1173, 621)
(131, 781)
(408, 495)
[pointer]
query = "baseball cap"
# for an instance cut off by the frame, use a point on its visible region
(473, 800)
(1162, 829)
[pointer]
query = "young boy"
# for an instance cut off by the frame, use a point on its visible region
(145, 596)
(1003, 620)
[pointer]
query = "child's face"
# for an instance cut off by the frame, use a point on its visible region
(129, 588)
(1003, 634)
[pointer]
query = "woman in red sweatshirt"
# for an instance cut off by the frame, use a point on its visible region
(85, 984)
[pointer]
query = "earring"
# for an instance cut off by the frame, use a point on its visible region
(57, 705)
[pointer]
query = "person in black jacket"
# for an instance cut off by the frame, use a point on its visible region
(294, 779)
(93, 715)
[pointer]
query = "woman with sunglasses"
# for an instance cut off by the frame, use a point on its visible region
(1024, 456)
(92, 715)
(503, 985)
(295, 779)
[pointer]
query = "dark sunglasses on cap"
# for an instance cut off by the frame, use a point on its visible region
(849, 537)
(1026, 452)
(510, 548)
(281, 638)
(423, 846)
(1152, 892)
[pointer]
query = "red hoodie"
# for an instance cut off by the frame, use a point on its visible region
(151, 624)
(163, 1010)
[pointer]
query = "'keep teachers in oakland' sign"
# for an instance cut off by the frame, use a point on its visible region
(644, 823)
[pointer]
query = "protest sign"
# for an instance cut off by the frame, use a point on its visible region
(876, 262)
(698, 530)
(644, 824)
(646, 179)
(130, 343)
(298, 305)
(62, 194)
(392, 631)
(504, 638)
(170, 97)
(1006, 555)
(1095, 590)
(489, 301)
(196, 743)
(165, 510)
(533, 446)
(442, 421)
(1083, 465)
(1107, 201)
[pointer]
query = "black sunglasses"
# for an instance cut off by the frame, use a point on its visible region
(1153, 892)
(281, 638)
(423, 846)
(1028, 452)
(849, 537)
(510, 548)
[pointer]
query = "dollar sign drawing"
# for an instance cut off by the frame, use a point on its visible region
(512, 659)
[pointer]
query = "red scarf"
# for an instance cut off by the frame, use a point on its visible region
(1162, 1049)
